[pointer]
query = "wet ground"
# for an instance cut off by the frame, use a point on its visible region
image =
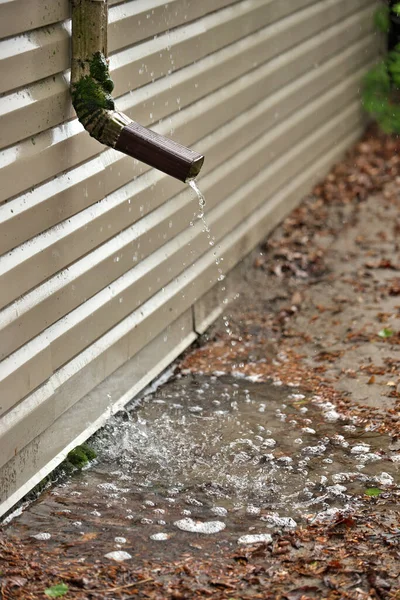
(282, 422)
(219, 458)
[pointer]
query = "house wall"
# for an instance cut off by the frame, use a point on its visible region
(106, 275)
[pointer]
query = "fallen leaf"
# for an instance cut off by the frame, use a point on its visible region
(56, 591)
(373, 492)
(91, 535)
(298, 593)
(15, 581)
(385, 333)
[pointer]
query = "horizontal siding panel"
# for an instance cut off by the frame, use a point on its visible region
(46, 51)
(48, 204)
(59, 149)
(42, 307)
(35, 14)
(39, 259)
(41, 409)
(46, 103)
(43, 454)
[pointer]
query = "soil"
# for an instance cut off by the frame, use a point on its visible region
(319, 309)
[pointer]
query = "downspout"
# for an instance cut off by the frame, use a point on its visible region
(91, 87)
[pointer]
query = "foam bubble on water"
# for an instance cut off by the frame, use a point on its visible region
(109, 487)
(314, 450)
(338, 440)
(277, 521)
(350, 428)
(255, 538)
(41, 536)
(219, 510)
(284, 460)
(327, 515)
(207, 527)
(368, 458)
(254, 378)
(193, 501)
(331, 415)
(360, 449)
(160, 537)
(345, 477)
(253, 510)
(118, 555)
(336, 490)
(309, 430)
(269, 443)
(384, 479)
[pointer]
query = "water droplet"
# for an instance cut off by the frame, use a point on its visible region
(159, 537)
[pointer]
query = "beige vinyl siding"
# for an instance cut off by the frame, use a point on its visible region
(98, 261)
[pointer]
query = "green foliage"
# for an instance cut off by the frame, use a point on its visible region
(396, 8)
(381, 85)
(381, 18)
(56, 591)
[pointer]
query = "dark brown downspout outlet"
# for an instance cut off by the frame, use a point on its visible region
(91, 87)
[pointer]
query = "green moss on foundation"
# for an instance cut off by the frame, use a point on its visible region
(80, 456)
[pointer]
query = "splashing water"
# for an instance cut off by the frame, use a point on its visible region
(204, 458)
(243, 445)
(201, 214)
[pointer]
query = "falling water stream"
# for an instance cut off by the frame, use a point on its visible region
(211, 240)
(201, 213)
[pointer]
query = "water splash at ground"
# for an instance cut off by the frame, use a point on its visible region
(218, 456)
(243, 444)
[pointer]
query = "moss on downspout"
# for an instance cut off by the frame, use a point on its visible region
(91, 87)
(91, 84)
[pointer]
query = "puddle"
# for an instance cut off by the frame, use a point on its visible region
(206, 461)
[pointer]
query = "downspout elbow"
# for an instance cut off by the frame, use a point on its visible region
(91, 88)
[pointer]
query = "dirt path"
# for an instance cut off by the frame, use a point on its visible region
(319, 309)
